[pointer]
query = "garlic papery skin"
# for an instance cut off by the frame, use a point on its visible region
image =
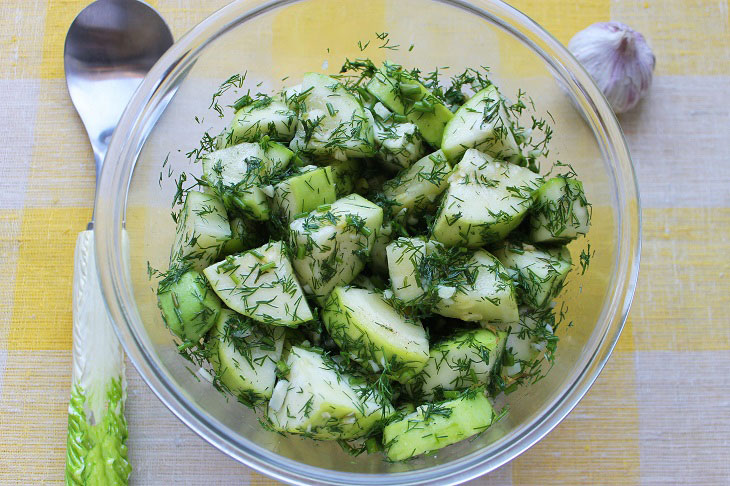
(618, 59)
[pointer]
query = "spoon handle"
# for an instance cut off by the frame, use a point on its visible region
(97, 428)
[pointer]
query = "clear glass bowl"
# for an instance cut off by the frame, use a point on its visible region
(275, 39)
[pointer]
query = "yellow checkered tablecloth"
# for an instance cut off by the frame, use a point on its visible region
(659, 413)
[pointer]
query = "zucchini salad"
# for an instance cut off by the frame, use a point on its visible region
(373, 256)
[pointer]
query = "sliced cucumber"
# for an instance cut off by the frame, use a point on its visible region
(486, 199)
(303, 192)
(236, 174)
(246, 356)
(331, 245)
(202, 230)
(482, 292)
(459, 362)
(418, 187)
(345, 173)
(483, 123)
(560, 212)
(188, 304)
(404, 260)
(379, 337)
(538, 273)
(270, 116)
(404, 95)
(333, 122)
(318, 400)
(261, 284)
(245, 234)
(436, 425)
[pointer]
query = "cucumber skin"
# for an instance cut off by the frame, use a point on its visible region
(197, 306)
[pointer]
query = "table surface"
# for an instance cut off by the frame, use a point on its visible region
(659, 412)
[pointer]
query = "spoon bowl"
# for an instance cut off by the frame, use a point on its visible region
(110, 47)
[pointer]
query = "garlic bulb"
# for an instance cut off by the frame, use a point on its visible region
(619, 60)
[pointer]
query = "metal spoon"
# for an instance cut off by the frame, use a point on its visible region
(109, 48)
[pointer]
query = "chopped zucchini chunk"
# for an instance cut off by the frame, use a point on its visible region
(246, 356)
(486, 199)
(560, 212)
(202, 230)
(459, 362)
(318, 400)
(374, 333)
(332, 122)
(480, 290)
(436, 425)
(404, 260)
(529, 340)
(245, 234)
(303, 192)
(261, 284)
(418, 187)
(345, 173)
(483, 123)
(538, 273)
(270, 116)
(188, 304)
(399, 144)
(403, 94)
(236, 174)
(331, 245)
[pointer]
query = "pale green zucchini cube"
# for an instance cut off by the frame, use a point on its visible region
(560, 212)
(246, 355)
(333, 122)
(303, 192)
(261, 284)
(538, 273)
(330, 246)
(202, 231)
(436, 425)
(374, 333)
(318, 400)
(486, 199)
(482, 123)
(188, 304)
(418, 187)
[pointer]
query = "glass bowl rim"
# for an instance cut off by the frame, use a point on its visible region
(138, 121)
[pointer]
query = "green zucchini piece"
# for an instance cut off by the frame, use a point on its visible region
(246, 356)
(399, 144)
(188, 304)
(529, 341)
(266, 116)
(538, 273)
(404, 261)
(319, 400)
(331, 245)
(303, 192)
(486, 199)
(333, 122)
(560, 212)
(483, 123)
(461, 361)
(378, 254)
(401, 93)
(261, 284)
(236, 174)
(436, 425)
(418, 187)
(482, 291)
(202, 230)
(374, 333)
